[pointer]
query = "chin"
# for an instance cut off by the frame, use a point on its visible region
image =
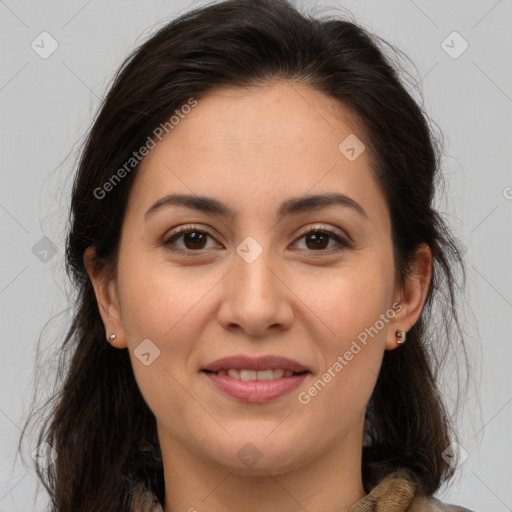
(259, 456)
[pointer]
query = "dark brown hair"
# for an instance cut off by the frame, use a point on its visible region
(98, 422)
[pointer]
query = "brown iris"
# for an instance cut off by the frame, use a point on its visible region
(320, 240)
(195, 238)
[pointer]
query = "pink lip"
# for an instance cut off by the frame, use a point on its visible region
(242, 362)
(256, 391)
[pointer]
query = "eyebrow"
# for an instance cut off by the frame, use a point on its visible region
(291, 206)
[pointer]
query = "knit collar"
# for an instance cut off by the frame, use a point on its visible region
(394, 493)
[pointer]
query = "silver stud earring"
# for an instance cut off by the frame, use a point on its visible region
(111, 337)
(401, 336)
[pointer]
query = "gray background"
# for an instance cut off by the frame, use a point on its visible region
(47, 106)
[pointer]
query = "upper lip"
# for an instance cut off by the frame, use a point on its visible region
(243, 362)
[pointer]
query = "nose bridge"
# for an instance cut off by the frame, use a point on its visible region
(253, 273)
(254, 298)
(253, 280)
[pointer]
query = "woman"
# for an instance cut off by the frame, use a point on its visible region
(257, 258)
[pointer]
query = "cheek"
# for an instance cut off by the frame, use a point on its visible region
(354, 309)
(156, 297)
(349, 299)
(166, 305)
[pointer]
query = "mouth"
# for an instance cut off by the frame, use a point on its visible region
(261, 365)
(255, 380)
(259, 375)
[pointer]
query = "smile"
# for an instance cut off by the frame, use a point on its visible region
(247, 386)
(249, 375)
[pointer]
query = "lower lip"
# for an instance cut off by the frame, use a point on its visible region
(256, 391)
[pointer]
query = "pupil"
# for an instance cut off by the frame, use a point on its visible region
(317, 239)
(195, 238)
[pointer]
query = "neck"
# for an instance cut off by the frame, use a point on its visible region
(330, 483)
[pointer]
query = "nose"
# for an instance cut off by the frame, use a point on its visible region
(255, 297)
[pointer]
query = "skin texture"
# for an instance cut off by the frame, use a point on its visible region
(252, 149)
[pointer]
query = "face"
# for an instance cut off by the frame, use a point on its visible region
(314, 284)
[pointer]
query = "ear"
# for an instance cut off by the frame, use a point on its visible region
(106, 292)
(411, 295)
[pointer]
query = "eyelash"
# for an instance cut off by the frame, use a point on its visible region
(344, 243)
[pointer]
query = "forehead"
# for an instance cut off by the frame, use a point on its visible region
(281, 114)
(258, 145)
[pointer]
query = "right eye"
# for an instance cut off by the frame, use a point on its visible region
(193, 239)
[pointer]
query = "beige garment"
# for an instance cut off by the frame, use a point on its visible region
(398, 493)
(395, 493)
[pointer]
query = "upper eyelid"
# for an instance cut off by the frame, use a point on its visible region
(322, 227)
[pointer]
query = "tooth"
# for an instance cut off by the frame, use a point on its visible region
(234, 374)
(247, 375)
(265, 375)
(251, 375)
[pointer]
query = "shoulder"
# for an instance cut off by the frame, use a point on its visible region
(431, 504)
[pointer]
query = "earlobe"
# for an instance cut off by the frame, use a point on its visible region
(412, 297)
(107, 300)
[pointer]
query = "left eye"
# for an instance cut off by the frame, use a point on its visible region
(319, 239)
(194, 240)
